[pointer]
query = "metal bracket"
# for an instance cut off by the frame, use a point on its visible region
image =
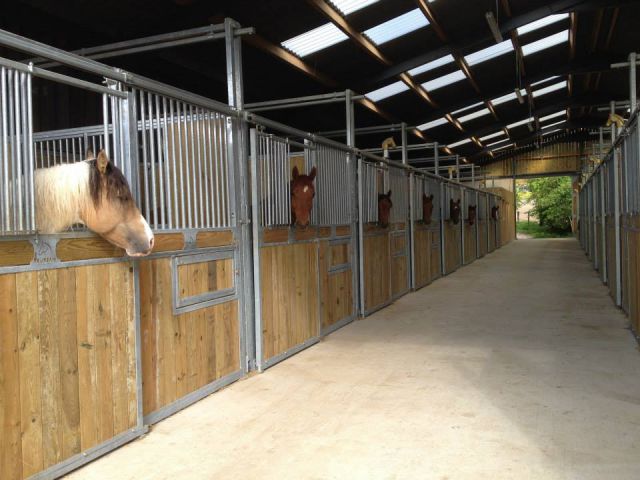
(44, 249)
(190, 239)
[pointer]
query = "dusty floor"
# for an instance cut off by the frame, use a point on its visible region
(516, 367)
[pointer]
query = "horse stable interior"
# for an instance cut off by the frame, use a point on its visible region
(334, 288)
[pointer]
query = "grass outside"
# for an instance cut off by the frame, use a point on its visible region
(536, 230)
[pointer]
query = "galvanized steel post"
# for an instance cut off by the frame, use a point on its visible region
(616, 203)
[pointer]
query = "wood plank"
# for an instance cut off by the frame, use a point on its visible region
(343, 230)
(150, 341)
(10, 408)
(324, 232)
(214, 239)
(86, 248)
(86, 359)
(48, 292)
(339, 301)
(275, 235)
(15, 253)
(308, 233)
(339, 254)
(377, 264)
(132, 391)
(70, 402)
(117, 296)
(30, 386)
(166, 242)
(100, 309)
(227, 338)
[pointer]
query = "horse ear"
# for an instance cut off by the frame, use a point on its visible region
(431, 197)
(389, 194)
(295, 173)
(102, 161)
(312, 174)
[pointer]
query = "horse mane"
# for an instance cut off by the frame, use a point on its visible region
(115, 184)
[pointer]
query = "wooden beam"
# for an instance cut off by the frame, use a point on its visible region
(277, 51)
(339, 21)
(427, 12)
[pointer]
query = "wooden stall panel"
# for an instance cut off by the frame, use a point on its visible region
(492, 235)
(377, 269)
(470, 251)
(182, 353)
(67, 364)
(204, 277)
(336, 288)
(611, 257)
(290, 304)
(422, 261)
(482, 232)
(634, 277)
(436, 260)
(452, 247)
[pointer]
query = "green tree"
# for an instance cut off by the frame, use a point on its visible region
(551, 198)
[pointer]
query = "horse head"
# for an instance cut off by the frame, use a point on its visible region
(112, 213)
(427, 208)
(384, 209)
(495, 212)
(454, 211)
(302, 193)
(472, 214)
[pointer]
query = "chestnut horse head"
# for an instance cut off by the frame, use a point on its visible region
(427, 208)
(302, 193)
(472, 214)
(495, 212)
(96, 194)
(384, 209)
(454, 211)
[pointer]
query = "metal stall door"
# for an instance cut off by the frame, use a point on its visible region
(470, 231)
(375, 245)
(483, 233)
(192, 291)
(452, 244)
(335, 216)
(426, 232)
(285, 260)
(399, 224)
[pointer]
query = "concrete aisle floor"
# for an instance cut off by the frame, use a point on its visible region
(515, 367)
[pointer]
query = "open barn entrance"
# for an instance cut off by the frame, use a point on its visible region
(544, 207)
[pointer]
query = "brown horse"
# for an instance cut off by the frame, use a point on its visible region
(472, 214)
(384, 209)
(427, 208)
(495, 212)
(302, 193)
(96, 194)
(454, 211)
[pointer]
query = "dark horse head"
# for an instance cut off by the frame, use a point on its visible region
(495, 212)
(454, 211)
(302, 193)
(427, 208)
(472, 214)
(384, 209)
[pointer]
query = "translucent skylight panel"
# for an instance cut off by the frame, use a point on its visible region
(387, 91)
(490, 52)
(397, 27)
(554, 124)
(508, 97)
(498, 142)
(471, 116)
(553, 115)
(492, 135)
(543, 22)
(521, 122)
(439, 62)
(349, 6)
(547, 42)
(545, 80)
(504, 146)
(444, 80)
(315, 40)
(549, 89)
(461, 142)
(467, 108)
(432, 124)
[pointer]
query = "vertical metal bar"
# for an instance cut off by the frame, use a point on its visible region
(224, 177)
(4, 155)
(215, 171)
(152, 160)
(31, 160)
(616, 200)
(184, 160)
(168, 171)
(206, 157)
(14, 150)
(159, 151)
(105, 124)
(632, 81)
(198, 155)
(145, 161)
(18, 173)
